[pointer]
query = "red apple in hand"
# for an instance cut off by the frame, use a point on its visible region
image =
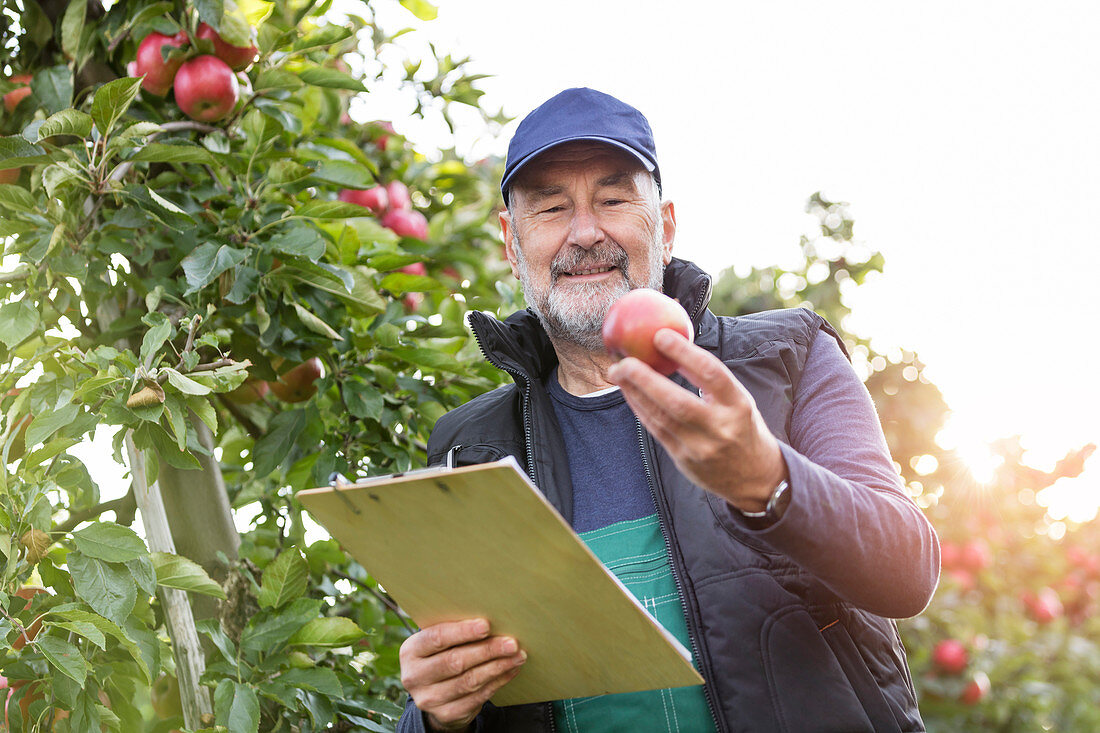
(238, 57)
(406, 223)
(376, 199)
(634, 319)
(950, 656)
(298, 384)
(150, 62)
(398, 195)
(206, 89)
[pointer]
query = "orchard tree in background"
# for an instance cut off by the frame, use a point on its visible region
(1011, 641)
(188, 264)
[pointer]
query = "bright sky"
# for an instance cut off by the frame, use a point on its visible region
(964, 135)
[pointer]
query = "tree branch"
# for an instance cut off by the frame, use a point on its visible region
(126, 504)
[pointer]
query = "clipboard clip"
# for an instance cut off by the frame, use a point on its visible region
(339, 482)
(451, 455)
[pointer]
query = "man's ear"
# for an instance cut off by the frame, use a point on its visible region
(668, 229)
(509, 239)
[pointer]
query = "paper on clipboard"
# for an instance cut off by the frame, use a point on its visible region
(482, 541)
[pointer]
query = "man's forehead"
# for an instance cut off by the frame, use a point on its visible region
(613, 165)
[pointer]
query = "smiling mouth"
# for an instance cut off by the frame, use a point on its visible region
(590, 271)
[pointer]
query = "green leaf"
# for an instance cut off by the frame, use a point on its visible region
(8, 227)
(363, 400)
(322, 76)
(403, 282)
(160, 328)
(185, 384)
(284, 579)
(109, 541)
(276, 79)
(108, 588)
(72, 25)
(345, 173)
(315, 324)
(16, 151)
(66, 122)
(83, 628)
(322, 37)
(210, 12)
(236, 707)
(175, 571)
(317, 679)
(329, 210)
(174, 153)
(17, 198)
(17, 322)
(269, 629)
(63, 656)
(328, 631)
(207, 261)
(111, 102)
(166, 204)
(109, 628)
(46, 424)
(144, 575)
(300, 240)
(149, 12)
(54, 88)
(422, 9)
(275, 445)
(246, 283)
(288, 171)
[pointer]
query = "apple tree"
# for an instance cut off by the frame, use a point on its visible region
(208, 259)
(1011, 640)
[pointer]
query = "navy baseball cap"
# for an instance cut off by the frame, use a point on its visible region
(581, 114)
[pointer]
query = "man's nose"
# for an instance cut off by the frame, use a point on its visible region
(585, 229)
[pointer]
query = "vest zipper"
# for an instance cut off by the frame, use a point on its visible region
(693, 627)
(522, 379)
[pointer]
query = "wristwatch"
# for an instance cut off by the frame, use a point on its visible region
(771, 509)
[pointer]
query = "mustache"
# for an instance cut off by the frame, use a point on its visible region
(574, 259)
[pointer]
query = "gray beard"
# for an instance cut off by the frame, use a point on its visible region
(576, 316)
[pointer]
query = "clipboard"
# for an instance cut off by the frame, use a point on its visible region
(481, 541)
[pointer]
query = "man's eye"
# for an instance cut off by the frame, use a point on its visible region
(552, 210)
(613, 202)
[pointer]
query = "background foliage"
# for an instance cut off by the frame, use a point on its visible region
(148, 254)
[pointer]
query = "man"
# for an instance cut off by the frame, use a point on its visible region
(749, 501)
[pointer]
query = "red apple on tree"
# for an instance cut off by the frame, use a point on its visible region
(206, 88)
(150, 61)
(382, 139)
(238, 57)
(975, 556)
(1044, 606)
(253, 390)
(298, 384)
(376, 199)
(398, 195)
(950, 656)
(976, 689)
(15, 96)
(634, 319)
(406, 223)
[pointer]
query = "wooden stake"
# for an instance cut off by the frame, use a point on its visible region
(186, 647)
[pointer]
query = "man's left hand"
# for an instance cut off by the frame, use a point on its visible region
(718, 438)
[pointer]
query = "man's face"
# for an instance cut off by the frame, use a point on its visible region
(585, 227)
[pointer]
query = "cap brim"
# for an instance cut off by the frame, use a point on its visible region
(510, 175)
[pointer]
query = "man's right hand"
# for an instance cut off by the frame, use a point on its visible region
(451, 669)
